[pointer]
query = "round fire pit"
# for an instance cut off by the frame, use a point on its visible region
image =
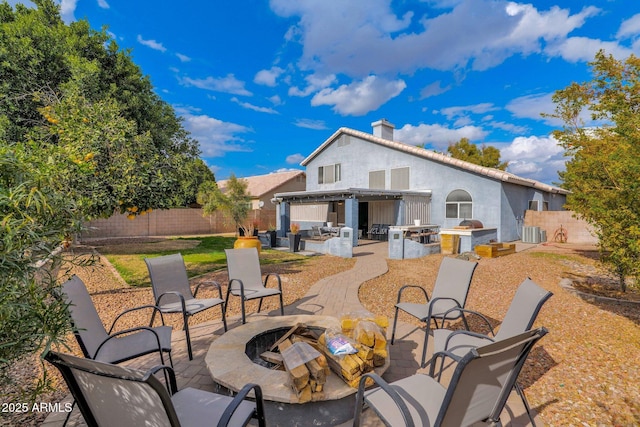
(230, 361)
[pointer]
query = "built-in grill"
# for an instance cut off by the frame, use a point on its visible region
(471, 223)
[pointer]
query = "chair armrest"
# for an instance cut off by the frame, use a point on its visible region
(241, 287)
(169, 374)
(178, 294)
(431, 304)
(443, 355)
(404, 410)
(238, 399)
(424, 291)
(476, 313)
(468, 333)
(154, 307)
(128, 331)
(211, 283)
(277, 276)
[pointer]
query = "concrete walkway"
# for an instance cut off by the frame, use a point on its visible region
(330, 296)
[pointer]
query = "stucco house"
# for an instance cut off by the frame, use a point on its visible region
(360, 179)
(262, 188)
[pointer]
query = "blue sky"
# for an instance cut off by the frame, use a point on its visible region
(262, 83)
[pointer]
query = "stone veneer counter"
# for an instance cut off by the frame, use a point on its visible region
(231, 367)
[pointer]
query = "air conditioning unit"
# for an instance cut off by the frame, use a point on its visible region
(530, 234)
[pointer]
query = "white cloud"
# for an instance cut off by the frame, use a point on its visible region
(215, 136)
(151, 44)
(315, 83)
(535, 157)
(629, 28)
(509, 127)
(367, 37)
(582, 49)
(461, 111)
(311, 124)
(183, 58)
(249, 106)
(103, 4)
(433, 89)
(437, 136)
(360, 97)
(295, 159)
(532, 106)
(228, 84)
(275, 100)
(268, 77)
(67, 10)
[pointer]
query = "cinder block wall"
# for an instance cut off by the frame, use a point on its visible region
(170, 222)
(577, 230)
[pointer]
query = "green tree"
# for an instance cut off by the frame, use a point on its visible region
(234, 201)
(61, 78)
(484, 155)
(35, 219)
(603, 170)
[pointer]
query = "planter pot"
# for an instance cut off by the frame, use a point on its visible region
(273, 238)
(294, 242)
(248, 242)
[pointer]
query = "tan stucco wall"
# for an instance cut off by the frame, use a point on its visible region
(577, 231)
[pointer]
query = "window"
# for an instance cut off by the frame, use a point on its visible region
(459, 205)
(329, 174)
(400, 179)
(376, 180)
(535, 205)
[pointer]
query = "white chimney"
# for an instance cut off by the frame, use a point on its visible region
(383, 129)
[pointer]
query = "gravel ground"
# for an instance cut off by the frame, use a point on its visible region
(583, 373)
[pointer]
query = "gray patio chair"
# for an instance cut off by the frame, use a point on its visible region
(449, 295)
(110, 395)
(245, 278)
(173, 294)
(478, 390)
(111, 347)
(522, 312)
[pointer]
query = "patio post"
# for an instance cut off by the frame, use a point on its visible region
(351, 218)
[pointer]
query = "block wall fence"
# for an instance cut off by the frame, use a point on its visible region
(171, 222)
(577, 230)
(189, 221)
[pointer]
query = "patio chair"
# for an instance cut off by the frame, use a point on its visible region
(478, 390)
(245, 279)
(111, 347)
(110, 395)
(449, 295)
(173, 294)
(522, 312)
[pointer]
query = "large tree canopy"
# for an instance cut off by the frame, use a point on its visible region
(82, 134)
(89, 107)
(603, 172)
(484, 155)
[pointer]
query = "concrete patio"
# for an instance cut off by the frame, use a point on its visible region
(330, 296)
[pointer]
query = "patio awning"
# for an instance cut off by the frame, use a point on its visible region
(362, 194)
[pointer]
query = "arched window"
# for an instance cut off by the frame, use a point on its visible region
(459, 205)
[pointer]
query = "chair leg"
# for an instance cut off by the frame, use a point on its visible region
(427, 329)
(260, 305)
(185, 319)
(244, 320)
(66, 420)
(281, 305)
(395, 322)
(223, 309)
(520, 391)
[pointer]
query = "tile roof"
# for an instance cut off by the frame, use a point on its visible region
(259, 185)
(441, 158)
